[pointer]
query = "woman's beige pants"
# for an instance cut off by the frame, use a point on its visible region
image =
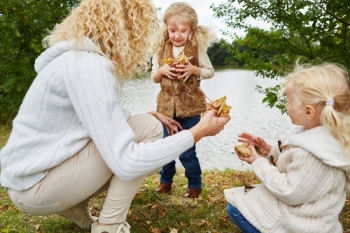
(85, 175)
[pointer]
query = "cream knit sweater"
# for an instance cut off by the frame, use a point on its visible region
(73, 99)
(304, 193)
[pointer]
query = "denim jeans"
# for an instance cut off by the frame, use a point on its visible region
(237, 218)
(188, 159)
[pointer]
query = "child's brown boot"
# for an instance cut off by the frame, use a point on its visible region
(164, 188)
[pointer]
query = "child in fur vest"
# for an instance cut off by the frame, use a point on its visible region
(179, 64)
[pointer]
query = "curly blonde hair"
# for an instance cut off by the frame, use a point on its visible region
(124, 30)
(315, 86)
(201, 36)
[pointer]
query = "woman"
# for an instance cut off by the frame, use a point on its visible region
(71, 136)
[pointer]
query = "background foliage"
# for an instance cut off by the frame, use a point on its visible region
(316, 31)
(23, 25)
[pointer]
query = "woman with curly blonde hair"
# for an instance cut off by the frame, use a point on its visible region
(71, 139)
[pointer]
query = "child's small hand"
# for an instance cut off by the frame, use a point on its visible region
(255, 141)
(169, 71)
(253, 157)
(186, 71)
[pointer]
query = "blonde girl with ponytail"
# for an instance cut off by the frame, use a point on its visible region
(306, 189)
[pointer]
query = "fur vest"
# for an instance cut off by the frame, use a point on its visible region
(176, 99)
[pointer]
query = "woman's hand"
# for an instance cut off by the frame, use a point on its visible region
(170, 124)
(255, 141)
(209, 125)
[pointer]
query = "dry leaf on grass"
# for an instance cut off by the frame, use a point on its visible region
(155, 230)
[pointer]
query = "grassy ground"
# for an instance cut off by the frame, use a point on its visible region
(4, 134)
(151, 212)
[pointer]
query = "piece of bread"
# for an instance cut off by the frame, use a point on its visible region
(243, 150)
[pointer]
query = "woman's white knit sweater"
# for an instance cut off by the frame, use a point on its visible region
(73, 99)
(304, 193)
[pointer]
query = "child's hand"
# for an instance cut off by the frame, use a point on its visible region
(186, 71)
(253, 157)
(169, 71)
(255, 141)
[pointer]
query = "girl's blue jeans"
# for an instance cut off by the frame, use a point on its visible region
(188, 159)
(237, 218)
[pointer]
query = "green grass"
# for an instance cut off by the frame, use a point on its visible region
(4, 134)
(151, 212)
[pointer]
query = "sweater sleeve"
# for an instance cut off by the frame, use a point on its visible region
(207, 69)
(155, 65)
(299, 182)
(273, 155)
(91, 86)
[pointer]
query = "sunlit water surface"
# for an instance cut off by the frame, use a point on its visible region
(248, 113)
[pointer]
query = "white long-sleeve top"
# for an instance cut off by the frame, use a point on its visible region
(207, 69)
(75, 99)
(305, 192)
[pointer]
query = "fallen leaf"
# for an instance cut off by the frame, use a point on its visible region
(155, 230)
(223, 110)
(201, 223)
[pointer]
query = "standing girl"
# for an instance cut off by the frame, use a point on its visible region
(180, 96)
(307, 189)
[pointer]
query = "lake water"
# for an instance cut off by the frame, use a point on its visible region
(248, 113)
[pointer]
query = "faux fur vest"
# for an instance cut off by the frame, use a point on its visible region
(176, 99)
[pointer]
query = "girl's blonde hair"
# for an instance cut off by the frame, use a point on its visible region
(315, 86)
(124, 30)
(201, 36)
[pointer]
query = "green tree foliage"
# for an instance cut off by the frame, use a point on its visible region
(220, 55)
(23, 25)
(313, 31)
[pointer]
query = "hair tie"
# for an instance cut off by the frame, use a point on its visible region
(330, 102)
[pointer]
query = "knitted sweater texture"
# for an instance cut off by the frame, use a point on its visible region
(75, 99)
(304, 193)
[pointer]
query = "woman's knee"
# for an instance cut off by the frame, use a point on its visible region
(146, 127)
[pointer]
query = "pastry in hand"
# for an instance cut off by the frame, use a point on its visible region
(243, 150)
